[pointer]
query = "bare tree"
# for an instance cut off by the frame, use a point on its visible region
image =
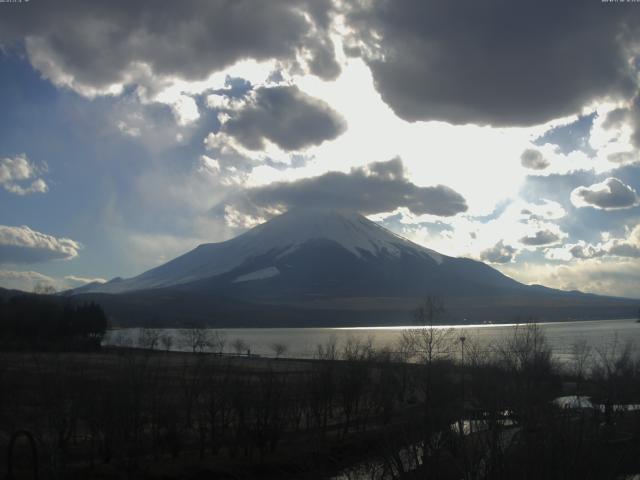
(239, 346)
(149, 338)
(612, 372)
(217, 341)
(328, 351)
(279, 348)
(122, 339)
(428, 342)
(430, 345)
(196, 339)
(167, 341)
(44, 289)
(580, 357)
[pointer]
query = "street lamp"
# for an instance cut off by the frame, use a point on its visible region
(462, 340)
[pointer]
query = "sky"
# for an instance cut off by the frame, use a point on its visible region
(507, 132)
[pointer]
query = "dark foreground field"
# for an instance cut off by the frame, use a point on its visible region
(356, 413)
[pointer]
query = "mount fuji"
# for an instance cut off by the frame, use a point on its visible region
(328, 268)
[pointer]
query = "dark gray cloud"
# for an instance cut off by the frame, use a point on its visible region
(92, 45)
(541, 237)
(499, 253)
(612, 194)
(285, 116)
(533, 159)
(625, 250)
(379, 187)
(583, 251)
(620, 116)
(24, 245)
(494, 62)
(615, 118)
(616, 248)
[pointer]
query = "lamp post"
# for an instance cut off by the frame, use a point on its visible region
(461, 421)
(462, 340)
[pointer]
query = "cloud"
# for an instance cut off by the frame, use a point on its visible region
(285, 116)
(570, 137)
(24, 245)
(185, 110)
(100, 48)
(628, 246)
(611, 194)
(493, 62)
(604, 276)
(153, 249)
(626, 116)
(377, 187)
(533, 159)
(499, 253)
(541, 237)
(486, 238)
(28, 281)
(535, 212)
(275, 127)
(78, 281)
(615, 134)
(18, 175)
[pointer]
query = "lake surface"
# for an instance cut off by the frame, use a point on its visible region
(303, 342)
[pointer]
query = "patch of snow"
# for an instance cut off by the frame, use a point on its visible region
(258, 275)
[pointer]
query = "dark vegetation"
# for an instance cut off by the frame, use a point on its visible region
(47, 322)
(432, 406)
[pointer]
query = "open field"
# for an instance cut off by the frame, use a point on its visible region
(352, 413)
(125, 413)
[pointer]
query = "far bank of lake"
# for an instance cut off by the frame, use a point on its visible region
(303, 342)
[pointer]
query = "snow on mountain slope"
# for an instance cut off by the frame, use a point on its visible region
(258, 275)
(279, 236)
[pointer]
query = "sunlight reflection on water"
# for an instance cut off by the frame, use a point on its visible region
(303, 342)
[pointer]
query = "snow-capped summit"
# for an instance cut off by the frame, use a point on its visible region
(327, 268)
(350, 230)
(278, 237)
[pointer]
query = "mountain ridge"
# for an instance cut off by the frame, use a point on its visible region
(308, 265)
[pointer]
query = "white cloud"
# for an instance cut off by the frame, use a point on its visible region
(604, 276)
(78, 281)
(29, 280)
(128, 129)
(184, 109)
(24, 245)
(18, 175)
(152, 249)
(475, 237)
(209, 165)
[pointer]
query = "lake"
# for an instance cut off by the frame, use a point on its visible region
(302, 342)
